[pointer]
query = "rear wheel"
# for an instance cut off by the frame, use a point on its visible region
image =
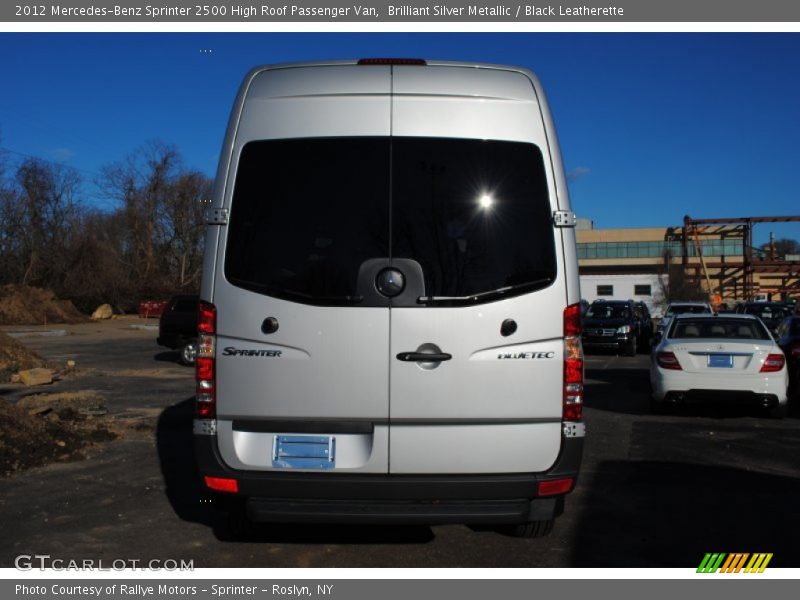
(780, 411)
(531, 529)
(189, 353)
(658, 408)
(238, 527)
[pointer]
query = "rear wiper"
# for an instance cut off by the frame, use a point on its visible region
(490, 295)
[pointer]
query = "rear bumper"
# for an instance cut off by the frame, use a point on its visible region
(723, 398)
(732, 387)
(606, 343)
(384, 499)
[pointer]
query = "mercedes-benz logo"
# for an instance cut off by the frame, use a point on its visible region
(390, 282)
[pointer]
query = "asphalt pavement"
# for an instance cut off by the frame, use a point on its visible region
(654, 490)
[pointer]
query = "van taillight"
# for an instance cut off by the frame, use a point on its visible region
(205, 371)
(573, 364)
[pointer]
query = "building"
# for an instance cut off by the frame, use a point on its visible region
(714, 256)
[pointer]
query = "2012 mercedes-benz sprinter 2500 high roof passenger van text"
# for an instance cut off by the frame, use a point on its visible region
(389, 328)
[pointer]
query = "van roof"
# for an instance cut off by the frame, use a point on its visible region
(461, 79)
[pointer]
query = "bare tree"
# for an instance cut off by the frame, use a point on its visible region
(162, 221)
(46, 195)
(780, 248)
(184, 212)
(674, 284)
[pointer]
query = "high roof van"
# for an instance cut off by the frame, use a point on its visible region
(389, 327)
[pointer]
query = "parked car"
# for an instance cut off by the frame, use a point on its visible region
(787, 335)
(731, 359)
(350, 260)
(618, 325)
(646, 320)
(772, 313)
(681, 308)
(177, 327)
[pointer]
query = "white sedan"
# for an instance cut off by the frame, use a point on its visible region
(728, 358)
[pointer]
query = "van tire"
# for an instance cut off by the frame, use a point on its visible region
(238, 527)
(779, 412)
(531, 529)
(188, 353)
(631, 349)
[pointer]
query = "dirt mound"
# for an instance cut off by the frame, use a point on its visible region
(50, 427)
(16, 357)
(25, 305)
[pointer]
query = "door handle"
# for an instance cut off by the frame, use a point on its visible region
(423, 357)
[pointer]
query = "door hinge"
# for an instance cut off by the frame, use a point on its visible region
(564, 218)
(217, 216)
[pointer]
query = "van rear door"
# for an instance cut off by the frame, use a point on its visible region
(471, 204)
(300, 353)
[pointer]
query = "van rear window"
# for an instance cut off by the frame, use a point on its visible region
(474, 213)
(306, 214)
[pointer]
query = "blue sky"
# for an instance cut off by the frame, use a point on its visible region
(652, 126)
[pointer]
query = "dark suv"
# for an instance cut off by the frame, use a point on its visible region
(177, 328)
(771, 313)
(623, 325)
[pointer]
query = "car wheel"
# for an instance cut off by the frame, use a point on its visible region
(631, 349)
(658, 408)
(189, 353)
(779, 412)
(531, 529)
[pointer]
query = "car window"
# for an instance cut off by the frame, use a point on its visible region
(767, 311)
(681, 309)
(608, 311)
(739, 329)
(185, 305)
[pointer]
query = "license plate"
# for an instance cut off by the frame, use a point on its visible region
(724, 361)
(304, 452)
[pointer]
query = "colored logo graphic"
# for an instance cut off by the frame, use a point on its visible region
(719, 562)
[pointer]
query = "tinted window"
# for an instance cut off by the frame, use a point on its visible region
(609, 311)
(680, 309)
(474, 214)
(642, 290)
(767, 311)
(306, 213)
(185, 305)
(739, 329)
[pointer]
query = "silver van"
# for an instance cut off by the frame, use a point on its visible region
(389, 328)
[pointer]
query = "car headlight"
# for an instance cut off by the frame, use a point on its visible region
(624, 329)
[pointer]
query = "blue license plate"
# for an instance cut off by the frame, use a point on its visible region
(723, 361)
(304, 452)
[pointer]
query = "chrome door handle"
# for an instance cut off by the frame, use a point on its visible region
(423, 357)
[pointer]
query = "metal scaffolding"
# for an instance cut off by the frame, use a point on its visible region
(735, 275)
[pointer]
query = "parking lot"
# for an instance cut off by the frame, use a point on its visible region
(654, 490)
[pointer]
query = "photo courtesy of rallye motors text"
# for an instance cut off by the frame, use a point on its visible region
(97, 591)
